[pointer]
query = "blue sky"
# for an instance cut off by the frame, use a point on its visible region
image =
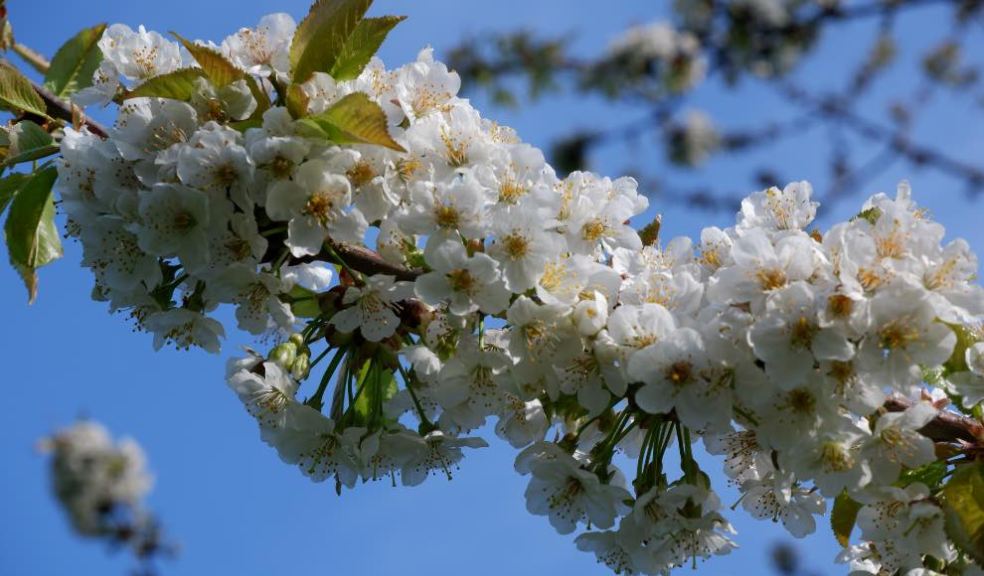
(224, 495)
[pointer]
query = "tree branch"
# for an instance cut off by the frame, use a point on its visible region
(946, 427)
(58, 108)
(899, 142)
(360, 259)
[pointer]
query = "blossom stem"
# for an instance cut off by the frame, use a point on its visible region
(686, 455)
(319, 357)
(280, 260)
(337, 258)
(413, 396)
(646, 450)
(316, 401)
(481, 331)
(607, 446)
(272, 231)
(582, 427)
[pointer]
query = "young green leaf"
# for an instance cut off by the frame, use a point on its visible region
(75, 62)
(304, 302)
(359, 48)
(16, 92)
(378, 386)
(843, 517)
(32, 237)
(26, 135)
(322, 34)
(966, 337)
(177, 85)
(221, 72)
(28, 142)
(963, 504)
(30, 155)
(218, 69)
(355, 119)
(8, 187)
(931, 475)
(297, 101)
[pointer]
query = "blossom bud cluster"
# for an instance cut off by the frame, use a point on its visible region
(502, 294)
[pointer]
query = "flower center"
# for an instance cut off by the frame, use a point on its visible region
(320, 205)
(803, 332)
(593, 230)
(462, 281)
(184, 220)
(801, 401)
(835, 457)
(516, 246)
(282, 167)
(360, 174)
(226, 175)
(406, 167)
(840, 306)
(510, 191)
(446, 216)
(456, 150)
(679, 372)
(897, 334)
(771, 278)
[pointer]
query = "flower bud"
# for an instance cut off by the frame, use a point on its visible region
(301, 367)
(284, 354)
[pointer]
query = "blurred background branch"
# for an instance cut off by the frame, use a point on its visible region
(660, 69)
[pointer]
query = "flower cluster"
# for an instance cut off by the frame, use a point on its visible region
(654, 50)
(101, 484)
(434, 275)
(691, 141)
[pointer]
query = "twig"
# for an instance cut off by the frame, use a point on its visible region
(36, 60)
(899, 142)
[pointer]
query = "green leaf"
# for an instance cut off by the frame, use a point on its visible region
(321, 36)
(16, 92)
(963, 504)
(359, 48)
(215, 66)
(966, 337)
(75, 62)
(931, 475)
(843, 516)
(244, 125)
(355, 119)
(31, 155)
(32, 237)
(378, 385)
(303, 302)
(28, 142)
(221, 72)
(177, 85)
(9, 187)
(27, 135)
(871, 215)
(297, 101)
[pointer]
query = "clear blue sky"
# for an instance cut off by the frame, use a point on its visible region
(223, 494)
